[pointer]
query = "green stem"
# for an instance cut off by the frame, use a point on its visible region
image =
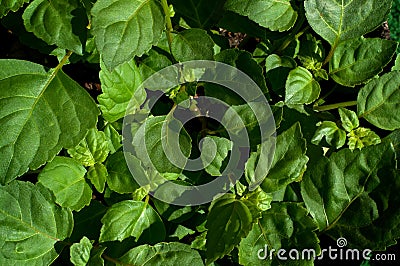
(334, 106)
(168, 21)
(330, 54)
(116, 262)
(63, 61)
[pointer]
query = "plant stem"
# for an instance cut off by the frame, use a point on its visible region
(169, 30)
(334, 106)
(330, 54)
(116, 262)
(63, 61)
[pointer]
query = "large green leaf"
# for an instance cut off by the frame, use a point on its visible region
(339, 20)
(301, 87)
(30, 224)
(161, 143)
(94, 148)
(58, 22)
(358, 60)
(228, 221)
(80, 252)
(33, 99)
(121, 88)
(10, 5)
(272, 14)
(126, 28)
(162, 254)
(213, 152)
(199, 13)
(131, 218)
(66, 178)
(379, 101)
(119, 178)
(290, 160)
(286, 226)
(153, 63)
(354, 194)
(192, 44)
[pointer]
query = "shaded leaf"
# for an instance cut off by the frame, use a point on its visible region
(192, 44)
(358, 60)
(58, 22)
(119, 178)
(213, 152)
(301, 87)
(10, 5)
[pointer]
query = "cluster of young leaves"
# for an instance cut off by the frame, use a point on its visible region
(67, 193)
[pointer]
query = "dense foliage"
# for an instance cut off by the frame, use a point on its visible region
(69, 191)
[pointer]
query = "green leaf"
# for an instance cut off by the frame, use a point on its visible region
(396, 66)
(311, 53)
(290, 160)
(353, 176)
(181, 231)
(153, 63)
(272, 14)
(33, 99)
(358, 60)
(285, 225)
(126, 28)
(114, 139)
(301, 87)
(119, 177)
(28, 234)
(58, 22)
(153, 135)
(173, 213)
(228, 221)
(80, 252)
(362, 137)
(93, 149)
(162, 254)
(131, 218)
(66, 179)
(277, 71)
(10, 5)
(121, 88)
(349, 119)
(379, 101)
(192, 44)
(213, 152)
(96, 258)
(97, 174)
(200, 13)
(334, 135)
(337, 21)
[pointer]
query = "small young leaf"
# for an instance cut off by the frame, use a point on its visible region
(192, 44)
(131, 218)
(27, 234)
(181, 231)
(285, 225)
(311, 53)
(290, 160)
(301, 87)
(358, 60)
(121, 89)
(66, 179)
(126, 28)
(80, 252)
(362, 137)
(274, 15)
(378, 102)
(114, 139)
(97, 174)
(93, 149)
(169, 254)
(213, 152)
(334, 136)
(228, 221)
(58, 22)
(337, 21)
(349, 119)
(33, 99)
